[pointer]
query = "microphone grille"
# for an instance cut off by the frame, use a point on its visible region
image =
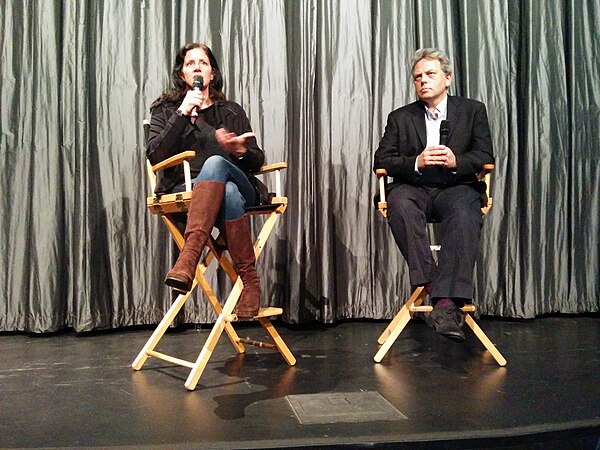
(198, 83)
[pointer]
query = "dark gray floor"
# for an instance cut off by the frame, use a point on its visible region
(70, 390)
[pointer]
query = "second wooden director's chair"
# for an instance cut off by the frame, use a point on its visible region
(413, 304)
(165, 206)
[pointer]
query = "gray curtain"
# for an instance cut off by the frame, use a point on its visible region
(317, 79)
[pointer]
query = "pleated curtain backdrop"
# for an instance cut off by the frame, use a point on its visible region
(317, 79)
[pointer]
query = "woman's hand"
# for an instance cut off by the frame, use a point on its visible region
(232, 143)
(192, 99)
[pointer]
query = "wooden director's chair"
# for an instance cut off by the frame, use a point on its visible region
(413, 304)
(168, 204)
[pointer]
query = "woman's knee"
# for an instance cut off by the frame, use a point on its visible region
(214, 168)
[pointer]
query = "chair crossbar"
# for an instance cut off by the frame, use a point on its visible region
(258, 343)
(171, 359)
(180, 202)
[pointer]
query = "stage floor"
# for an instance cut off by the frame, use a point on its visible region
(72, 390)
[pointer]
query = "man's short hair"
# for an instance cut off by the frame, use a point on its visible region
(432, 53)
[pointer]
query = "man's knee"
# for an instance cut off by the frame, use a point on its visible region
(466, 215)
(402, 205)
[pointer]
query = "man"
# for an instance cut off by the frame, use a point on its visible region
(437, 182)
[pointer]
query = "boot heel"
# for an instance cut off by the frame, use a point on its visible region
(178, 285)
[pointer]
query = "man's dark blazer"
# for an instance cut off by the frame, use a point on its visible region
(405, 138)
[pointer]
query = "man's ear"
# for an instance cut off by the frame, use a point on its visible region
(448, 80)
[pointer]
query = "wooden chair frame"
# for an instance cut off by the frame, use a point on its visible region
(179, 202)
(414, 303)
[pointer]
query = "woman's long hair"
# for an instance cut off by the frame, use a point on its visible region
(178, 88)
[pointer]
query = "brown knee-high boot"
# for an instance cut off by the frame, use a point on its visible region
(241, 249)
(207, 197)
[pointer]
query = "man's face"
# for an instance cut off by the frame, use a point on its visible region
(196, 62)
(430, 81)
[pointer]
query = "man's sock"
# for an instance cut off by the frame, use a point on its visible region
(442, 302)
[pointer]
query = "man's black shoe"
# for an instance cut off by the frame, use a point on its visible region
(447, 320)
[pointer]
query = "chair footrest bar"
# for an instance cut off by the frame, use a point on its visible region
(427, 308)
(421, 308)
(171, 359)
(279, 200)
(257, 343)
(269, 311)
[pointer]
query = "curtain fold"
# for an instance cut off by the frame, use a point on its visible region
(317, 79)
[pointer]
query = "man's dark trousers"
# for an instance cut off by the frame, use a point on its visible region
(458, 210)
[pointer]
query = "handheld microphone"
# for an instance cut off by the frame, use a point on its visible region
(444, 132)
(197, 85)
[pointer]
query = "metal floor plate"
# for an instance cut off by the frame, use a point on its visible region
(334, 407)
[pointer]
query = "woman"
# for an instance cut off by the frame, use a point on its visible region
(200, 119)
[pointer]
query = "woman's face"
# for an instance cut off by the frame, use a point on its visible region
(196, 63)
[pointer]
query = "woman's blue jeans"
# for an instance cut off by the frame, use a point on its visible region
(239, 193)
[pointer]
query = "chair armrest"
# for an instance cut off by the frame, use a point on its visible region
(174, 160)
(485, 175)
(272, 168)
(180, 158)
(277, 168)
(485, 171)
(382, 181)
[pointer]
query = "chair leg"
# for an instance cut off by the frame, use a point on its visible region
(261, 240)
(391, 333)
(213, 337)
(159, 331)
(279, 343)
(418, 294)
(485, 340)
(403, 318)
(214, 302)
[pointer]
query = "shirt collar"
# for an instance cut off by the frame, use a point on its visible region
(441, 109)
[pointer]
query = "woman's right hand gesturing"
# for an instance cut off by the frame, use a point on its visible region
(232, 143)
